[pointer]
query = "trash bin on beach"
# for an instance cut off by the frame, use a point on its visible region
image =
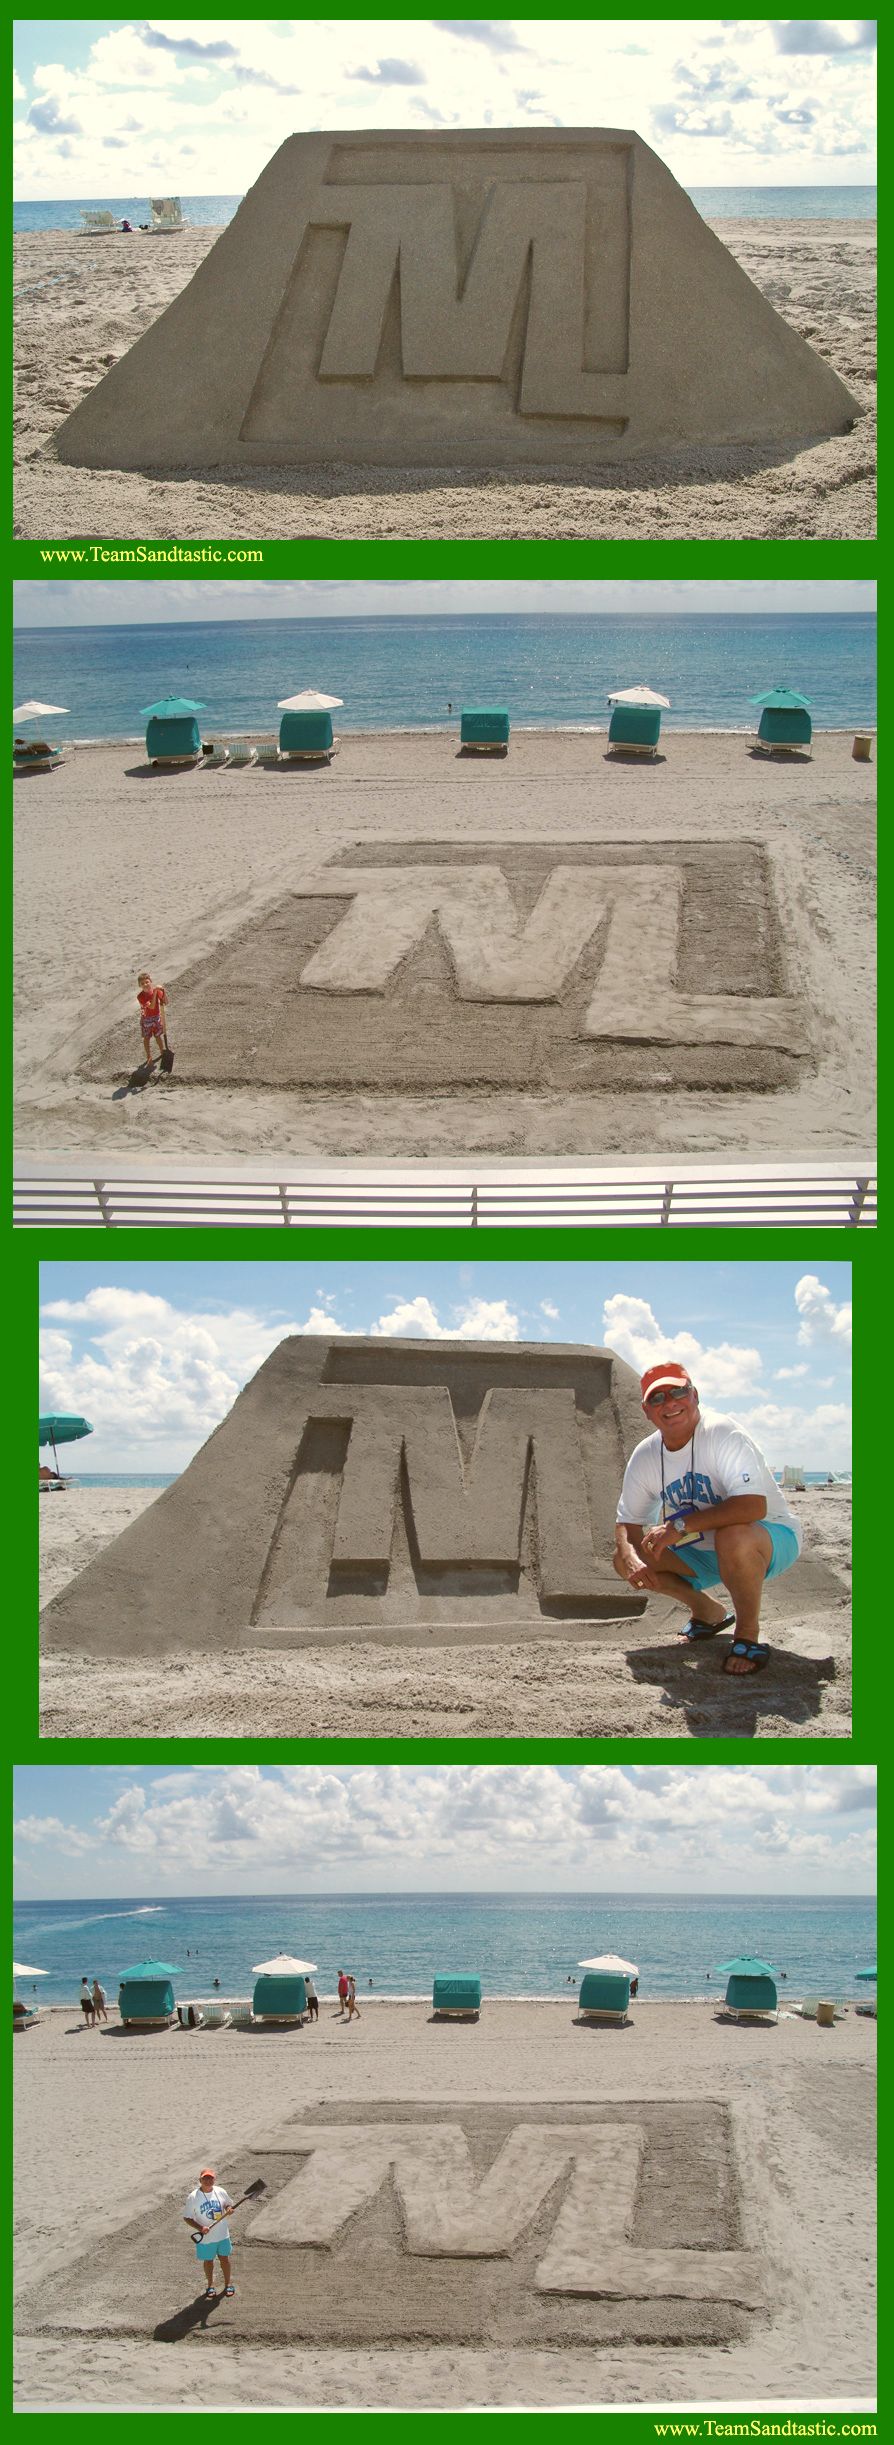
(861, 750)
(825, 2014)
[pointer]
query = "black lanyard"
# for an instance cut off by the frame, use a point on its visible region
(691, 1470)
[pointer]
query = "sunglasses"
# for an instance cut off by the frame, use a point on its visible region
(656, 1400)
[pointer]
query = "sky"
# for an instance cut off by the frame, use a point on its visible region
(156, 1364)
(120, 107)
(85, 1832)
(55, 604)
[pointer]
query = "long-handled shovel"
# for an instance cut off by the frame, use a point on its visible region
(256, 2190)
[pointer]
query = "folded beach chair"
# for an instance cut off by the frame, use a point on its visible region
(306, 737)
(267, 751)
(241, 2016)
(604, 1996)
(190, 2016)
(215, 758)
(173, 738)
(752, 1999)
(456, 1998)
(484, 730)
(165, 214)
(278, 1998)
(96, 224)
(635, 729)
(783, 730)
(34, 756)
(241, 753)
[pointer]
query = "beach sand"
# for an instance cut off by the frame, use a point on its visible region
(647, 1687)
(759, 2140)
(82, 302)
(198, 875)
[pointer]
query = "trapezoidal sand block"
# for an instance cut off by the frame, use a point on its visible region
(468, 299)
(410, 1491)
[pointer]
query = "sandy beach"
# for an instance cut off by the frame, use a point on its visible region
(756, 2152)
(81, 303)
(227, 883)
(645, 1687)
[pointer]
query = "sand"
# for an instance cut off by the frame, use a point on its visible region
(648, 1687)
(112, 2128)
(82, 302)
(199, 875)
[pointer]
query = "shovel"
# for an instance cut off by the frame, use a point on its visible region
(256, 2190)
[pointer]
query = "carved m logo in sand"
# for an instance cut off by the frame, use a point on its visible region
(632, 914)
(452, 2210)
(531, 237)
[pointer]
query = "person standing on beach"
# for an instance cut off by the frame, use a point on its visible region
(99, 2001)
(153, 1003)
(342, 1994)
(313, 2001)
(88, 2006)
(699, 1509)
(208, 2202)
(354, 2012)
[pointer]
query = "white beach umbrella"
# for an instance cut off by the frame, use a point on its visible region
(638, 696)
(26, 1969)
(309, 700)
(284, 1966)
(31, 711)
(611, 1961)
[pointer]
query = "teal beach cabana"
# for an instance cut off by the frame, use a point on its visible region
(456, 1997)
(280, 1994)
(484, 730)
(604, 1994)
(785, 726)
(751, 1988)
(173, 735)
(305, 732)
(635, 725)
(146, 1995)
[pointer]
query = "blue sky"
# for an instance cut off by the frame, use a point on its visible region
(155, 1360)
(52, 604)
(120, 106)
(86, 1831)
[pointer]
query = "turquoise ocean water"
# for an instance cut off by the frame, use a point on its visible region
(714, 204)
(401, 673)
(163, 1477)
(519, 1943)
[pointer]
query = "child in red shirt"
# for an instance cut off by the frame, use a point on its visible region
(153, 1003)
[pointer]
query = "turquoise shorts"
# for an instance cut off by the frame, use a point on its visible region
(213, 2249)
(700, 1561)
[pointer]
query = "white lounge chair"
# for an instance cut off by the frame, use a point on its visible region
(241, 754)
(218, 757)
(97, 224)
(165, 215)
(267, 752)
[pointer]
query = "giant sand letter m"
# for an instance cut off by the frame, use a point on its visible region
(459, 330)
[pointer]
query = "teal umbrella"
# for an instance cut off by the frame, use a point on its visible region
(169, 706)
(784, 698)
(152, 1969)
(62, 1430)
(871, 1974)
(744, 1969)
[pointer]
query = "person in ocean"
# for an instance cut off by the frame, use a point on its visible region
(153, 1003)
(699, 1510)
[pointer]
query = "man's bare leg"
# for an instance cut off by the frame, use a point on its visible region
(744, 1555)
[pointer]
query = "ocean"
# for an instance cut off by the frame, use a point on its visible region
(523, 1944)
(714, 204)
(168, 1477)
(402, 673)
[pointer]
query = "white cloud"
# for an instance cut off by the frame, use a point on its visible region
(721, 1371)
(547, 1308)
(154, 1380)
(821, 1318)
(478, 1320)
(784, 1375)
(818, 1438)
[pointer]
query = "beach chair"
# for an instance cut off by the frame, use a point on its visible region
(456, 1998)
(165, 215)
(190, 2016)
(306, 737)
(604, 1996)
(267, 751)
(96, 224)
(240, 755)
(241, 2016)
(752, 1999)
(146, 2003)
(173, 738)
(783, 730)
(23, 2015)
(484, 730)
(215, 2016)
(213, 758)
(34, 756)
(279, 1999)
(867, 2012)
(634, 730)
(810, 2003)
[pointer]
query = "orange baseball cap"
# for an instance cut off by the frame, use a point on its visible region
(207, 2174)
(677, 1378)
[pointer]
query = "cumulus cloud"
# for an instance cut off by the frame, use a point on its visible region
(722, 1371)
(817, 36)
(388, 72)
(784, 1375)
(479, 29)
(154, 1379)
(822, 1319)
(478, 1320)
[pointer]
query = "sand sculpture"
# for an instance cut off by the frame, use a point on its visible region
(400, 1490)
(465, 299)
(487, 2223)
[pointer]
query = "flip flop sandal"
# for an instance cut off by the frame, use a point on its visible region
(695, 1630)
(757, 1657)
(230, 2293)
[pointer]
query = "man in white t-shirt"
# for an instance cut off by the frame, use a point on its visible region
(205, 2204)
(700, 1509)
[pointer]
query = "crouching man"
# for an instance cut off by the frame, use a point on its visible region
(700, 1509)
